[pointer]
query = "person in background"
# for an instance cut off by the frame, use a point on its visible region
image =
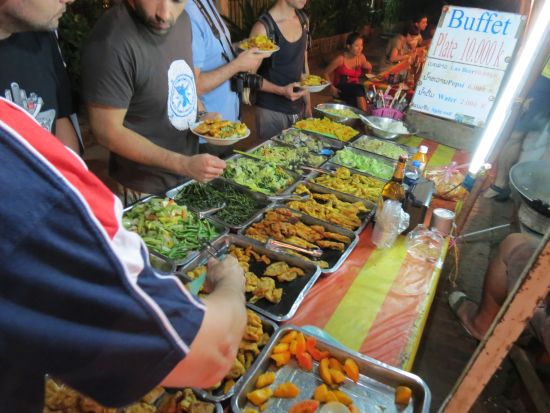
(281, 101)
(345, 70)
(45, 95)
(215, 61)
(140, 92)
(85, 307)
(535, 117)
(503, 272)
(400, 48)
(420, 21)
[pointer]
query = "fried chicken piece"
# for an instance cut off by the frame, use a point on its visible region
(237, 370)
(202, 407)
(337, 237)
(266, 289)
(331, 244)
(139, 408)
(290, 275)
(263, 340)
(276, 269)
(249, 346)
(248, 360)
(251, 281)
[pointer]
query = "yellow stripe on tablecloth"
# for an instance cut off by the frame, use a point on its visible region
(412, 141)
(351, 321)
(442, 156)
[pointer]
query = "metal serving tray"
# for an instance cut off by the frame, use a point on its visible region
(366, 138)
(365, 217)
(293, 292)
(173, 263)
(287, 190)
(334, 258)
(374, 392)
(366, 155)
(329, 166)
(218, 183)
(320, 112)
(218, 395)
(328, 143)
(274, 143)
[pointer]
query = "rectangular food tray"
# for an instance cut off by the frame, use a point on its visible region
(218, 396)
(334, 258)
(274, 143)
(173, 263)
(286, 190)
(365, 217)
(362, 153)
(260, 198)
(293, 292)
(329, 166)
(329, 143)
(374, 391)
(366, 138)
(332, 137)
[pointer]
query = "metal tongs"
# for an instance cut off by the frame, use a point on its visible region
(275, 245)
(289, 197)
(208, 212)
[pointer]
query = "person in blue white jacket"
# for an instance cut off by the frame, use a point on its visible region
(78, 298)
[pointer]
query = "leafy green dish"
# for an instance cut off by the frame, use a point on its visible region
(168, 228)
(363, 163)
(289, 157)
(258, 176)
(383, 148)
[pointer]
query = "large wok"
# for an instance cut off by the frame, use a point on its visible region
(532, 180)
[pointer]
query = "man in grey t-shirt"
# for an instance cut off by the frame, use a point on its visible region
(140, 92)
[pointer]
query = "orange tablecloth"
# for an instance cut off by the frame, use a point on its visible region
(377, 303)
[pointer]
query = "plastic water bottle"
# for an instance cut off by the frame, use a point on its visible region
(412, 173)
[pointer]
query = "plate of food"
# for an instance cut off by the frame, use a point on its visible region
(221, 132)
(314, 83)
(262, 42)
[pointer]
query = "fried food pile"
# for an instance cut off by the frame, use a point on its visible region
(261, 41)
(253, 339)
(60, 398)
(327, 207)
(313, 80)
(221, 129)
(264, 286)
(355, 184)
(326, 126)
(282, 225)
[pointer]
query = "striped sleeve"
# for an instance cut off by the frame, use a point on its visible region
(77, 297)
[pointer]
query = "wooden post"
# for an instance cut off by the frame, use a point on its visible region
(533, 286)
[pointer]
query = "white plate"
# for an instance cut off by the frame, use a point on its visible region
(220, 141)
(260, 51)
(316, 88)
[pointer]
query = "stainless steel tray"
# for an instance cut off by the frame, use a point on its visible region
(334, 258)
(334, 138)
(328, 143)
(374, 392)
(218, 395)
(219, 183)
(286, 190)
(290, 166)
(293, 292)
(386, 161)
(366, 138)
(365, 217)
(169, 262)
(329, 166)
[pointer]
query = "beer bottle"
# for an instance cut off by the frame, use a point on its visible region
(394, 188)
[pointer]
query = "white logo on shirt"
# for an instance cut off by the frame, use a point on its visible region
(182, 95)
(32, 103)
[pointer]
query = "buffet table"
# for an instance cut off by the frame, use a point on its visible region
(378, 302)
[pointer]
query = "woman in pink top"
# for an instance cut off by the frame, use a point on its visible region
(346, 69)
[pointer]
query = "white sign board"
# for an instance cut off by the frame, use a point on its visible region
(466, 62)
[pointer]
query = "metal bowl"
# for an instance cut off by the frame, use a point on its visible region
(385, 127)
(320, 111)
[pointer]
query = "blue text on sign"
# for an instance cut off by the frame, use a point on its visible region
(487, 22)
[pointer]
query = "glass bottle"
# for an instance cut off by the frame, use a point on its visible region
(394, 188)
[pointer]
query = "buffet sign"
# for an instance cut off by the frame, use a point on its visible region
(466, 62)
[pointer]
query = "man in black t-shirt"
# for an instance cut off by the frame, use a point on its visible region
(34, 77)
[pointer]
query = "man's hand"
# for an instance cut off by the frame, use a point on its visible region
(203, 167)
(290, 94)
(249, 60)
(227, 270)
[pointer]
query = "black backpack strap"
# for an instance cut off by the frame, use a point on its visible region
(270, 26)
(304, 22)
